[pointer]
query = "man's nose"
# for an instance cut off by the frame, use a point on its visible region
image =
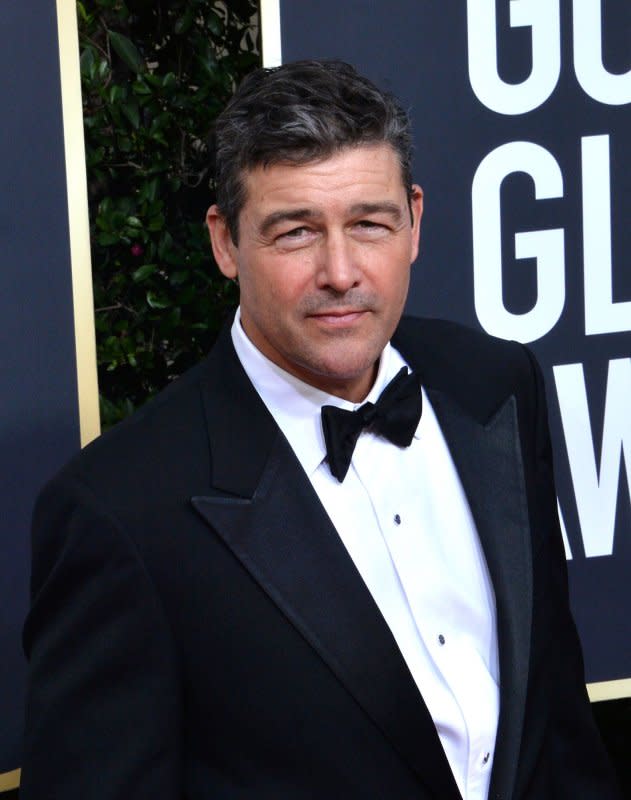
(338, 268)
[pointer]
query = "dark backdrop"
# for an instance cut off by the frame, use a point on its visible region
(578, 141)
(534, 139)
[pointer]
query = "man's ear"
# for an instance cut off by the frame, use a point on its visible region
(416, 204)
(224, 249)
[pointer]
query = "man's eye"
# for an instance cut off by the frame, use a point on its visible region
(294, 233)
(370, 225)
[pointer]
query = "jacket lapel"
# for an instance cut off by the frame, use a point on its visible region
(489, 462)
(264, 508)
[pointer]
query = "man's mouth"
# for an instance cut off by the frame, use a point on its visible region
(338, 316)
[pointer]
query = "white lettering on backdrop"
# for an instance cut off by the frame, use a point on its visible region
(602, 314)
(595, 482)
(596, 489)
(542, 16)
(597, 82)
(546, 246)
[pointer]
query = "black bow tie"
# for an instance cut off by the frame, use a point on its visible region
(394, 416)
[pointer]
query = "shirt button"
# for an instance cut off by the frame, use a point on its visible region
(441, 639)
(397, 519)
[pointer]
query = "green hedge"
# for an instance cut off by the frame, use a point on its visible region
(154, 76)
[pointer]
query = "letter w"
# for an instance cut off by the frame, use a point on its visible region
(596, 491)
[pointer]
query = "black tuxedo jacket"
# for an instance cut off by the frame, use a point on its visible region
(198, 629)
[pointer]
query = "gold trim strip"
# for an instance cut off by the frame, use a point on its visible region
(10, 780)
(78, 221)
(270, 33)
(609, 690)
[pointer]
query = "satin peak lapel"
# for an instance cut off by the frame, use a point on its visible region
(489, 462)
(275, 525)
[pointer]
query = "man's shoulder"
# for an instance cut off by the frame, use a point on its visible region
(166, 432)
(478, 370)
(444, 337)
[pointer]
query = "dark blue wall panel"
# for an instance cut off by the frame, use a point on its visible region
(39, 426)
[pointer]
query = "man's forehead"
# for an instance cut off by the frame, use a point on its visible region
(368, 164)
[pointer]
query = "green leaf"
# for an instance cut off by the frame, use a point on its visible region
(95, 156)
(184, 22)
(166, 244)
(107, 239)
(155, 301)
(105, 206)
(169, 80)
(131, 111)
(154, 80)
(87, 62)
(142, 273)
(179, 277)
(133, 222)
(81, 11)
(124, 144)
(127, 51)
(148, 192)
(214, 23)
(117, 93)
(157, 223)
(140, 87)
(159, 123)
(103, 68)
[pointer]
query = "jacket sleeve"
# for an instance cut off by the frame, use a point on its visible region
(103, 705)
(572, 762)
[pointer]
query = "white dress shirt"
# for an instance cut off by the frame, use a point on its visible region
(405, 521)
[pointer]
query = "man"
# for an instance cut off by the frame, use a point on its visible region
(223, 607)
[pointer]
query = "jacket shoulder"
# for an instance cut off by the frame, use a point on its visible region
(150, 448)
(444, 337)
(479, 371)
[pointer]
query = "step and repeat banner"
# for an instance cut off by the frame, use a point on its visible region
(522, 118)
(48, 397)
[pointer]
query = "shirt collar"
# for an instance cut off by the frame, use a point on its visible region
(294, 404)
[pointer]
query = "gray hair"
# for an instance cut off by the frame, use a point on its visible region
(299, 113)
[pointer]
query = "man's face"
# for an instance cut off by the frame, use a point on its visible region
(323, 263)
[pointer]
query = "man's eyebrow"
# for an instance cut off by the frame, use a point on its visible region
(292, 215)
(393, 209)
(299, 214)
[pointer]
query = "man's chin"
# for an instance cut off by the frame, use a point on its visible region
(351, 379)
